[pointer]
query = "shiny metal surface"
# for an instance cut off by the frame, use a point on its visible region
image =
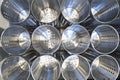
(45, 68)
(104, 10)
(45, 11)
(15, 40)
(75, 11)
(75, 67)
(75, 39)
(105, 67)
(46, 39)
(14, 68)
(105, 39)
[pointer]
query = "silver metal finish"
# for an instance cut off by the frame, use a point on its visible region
(45, 68)
(15, 40)
(14, 68)
(75, 39)
(75, 11)
(105, 67)
(75, 67)
(105, 39)
(104, 10)
(46, 39)
(45, 11)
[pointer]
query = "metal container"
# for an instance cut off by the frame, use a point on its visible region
(15, 40)
(45, 68)
(75, 11)
(105, 67)
(75, 67)
(46, 39)
(75, 39)
(14, 68)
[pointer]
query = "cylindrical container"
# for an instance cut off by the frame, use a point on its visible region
(45, 11)
(90, 55)
(14, 68)
(75, 39)
(3, 25)
(46, 39)
(3, 54)
(15, 40)
(45, 68)
(105, 39)
(75, 11)
(17, 12)
(75, 67)
(3, 22)
(104, 10)
(105, 67)
(116, 55)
